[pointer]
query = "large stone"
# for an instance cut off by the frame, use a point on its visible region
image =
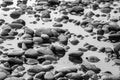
(45, 51)
(15, 14)
(87, 66)
(49, 76)
(3, 75)
(14, 53)
(31, 53)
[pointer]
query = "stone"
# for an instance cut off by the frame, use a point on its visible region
(15, 14)
(16, 53)
(16, 25)
(32, 61)
(20, 21)
(87, 66)
(59, 50)
(37, 40)
(45, 51)
(14, 78)
(63, 39)
(74, 76)
(35, 69)
(31, 53)
(66, 70)
(40, 75)
(57, 25)
(49, 76)
(3, 75)
(93, 59)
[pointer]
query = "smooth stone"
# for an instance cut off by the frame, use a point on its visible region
(15, 14)
(14, 78)
(48, 57)
(87, 66)
(59, 50)
(93, 59)
(16, 53)
(63, 39)
(74, 76)
(47, 62)
(66, 70)
(13, 61)
(32, 61)
(31, 53)
(40, 75)
(3, 75)
(57, 25)
(49, 76)
(74, 41)
(35, 69)
(45, 51)
(37, 40)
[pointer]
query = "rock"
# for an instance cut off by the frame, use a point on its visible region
(28, 31)
(37, 40)
(75, 56)
(40, 31)
(74, 41)
(74, 76)
(59, 51)
(16, 25)
(46, 38)
(2, 21)
(26, 36)
(13, 33)
(35, 69)
(53, 2)
(66, 70)
(100, 32)
(20, 21)
(63, 39)
(45, 14)
(49, 76)
(27, 44)
(87, 66)
(47, 62)
(57, 25)
(5, 9)
(105, 9)
(102, 49)
(89, 29)
(76, 9)
(1, 40)
(76, 53)
(40, 75)
(93, 59)
(3, 75)
(8, 2)
(116, 61)
(32, 61)
(48, 68)
(83, 49)
(13, 61)
(31, 53)
(16, 53)
(108, 50)
(58, 75)
(48, 57)
(14, 78)
(15, 14)
(45, 51)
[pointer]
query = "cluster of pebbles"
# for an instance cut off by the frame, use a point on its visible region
(39, 50)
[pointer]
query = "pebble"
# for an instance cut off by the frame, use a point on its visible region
(31, 53)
